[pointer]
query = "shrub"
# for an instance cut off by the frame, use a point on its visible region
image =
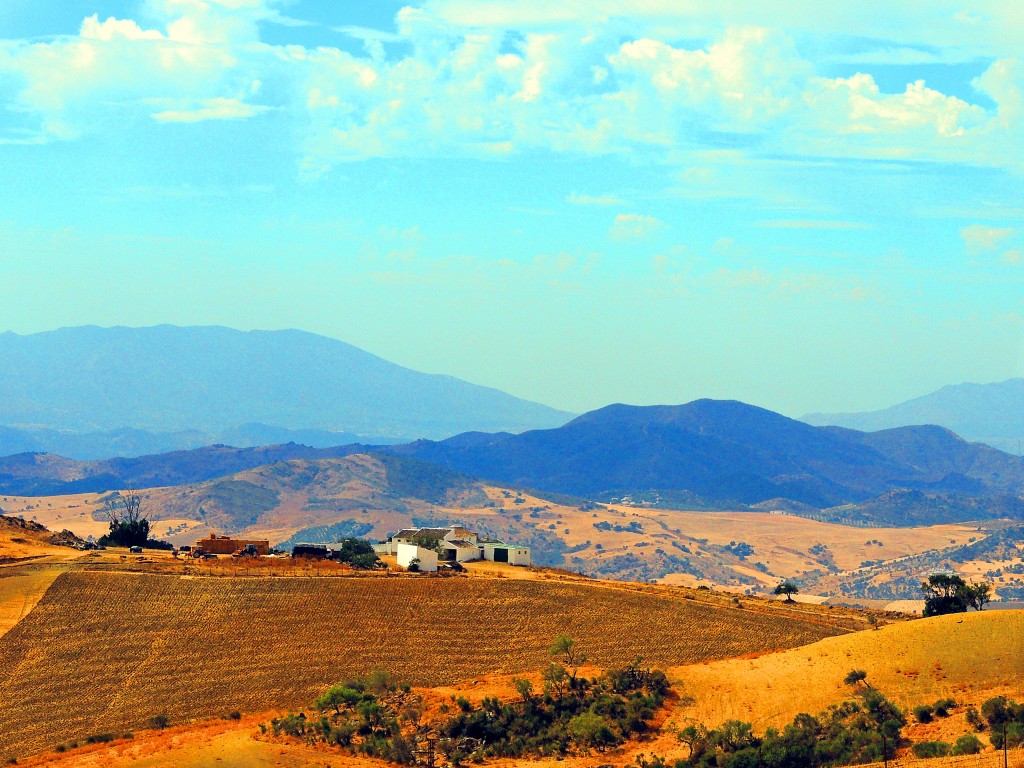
(974, 719)
(923, 713)
(942, 707)
(159, 722)
(931, 749)
(968, 744)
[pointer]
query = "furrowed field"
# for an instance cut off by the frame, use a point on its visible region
(105, 651)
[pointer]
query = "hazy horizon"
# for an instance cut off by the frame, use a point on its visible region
(643, 202)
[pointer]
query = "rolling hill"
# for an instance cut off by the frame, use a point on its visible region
(723, 454)
(986, 413)
(968, 656)
(203, 647)
(212, 381)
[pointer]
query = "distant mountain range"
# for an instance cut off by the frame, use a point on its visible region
(726, 453)
(93, 392)
(984, 413)
(43, 474)
(705, 454)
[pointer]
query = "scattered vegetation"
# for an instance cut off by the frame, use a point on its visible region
(852, 732)
(1005, 720)
(573, 714)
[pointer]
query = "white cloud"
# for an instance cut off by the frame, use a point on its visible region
(210, 109)
(633, 226)
(583, 78)
(981, 239)
(575, 198)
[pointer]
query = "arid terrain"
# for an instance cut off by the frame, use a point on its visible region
(150, 636)
(746, 552)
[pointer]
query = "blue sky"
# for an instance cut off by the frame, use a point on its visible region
(576, 202)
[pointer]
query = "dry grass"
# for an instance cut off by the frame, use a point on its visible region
(968, 657)
(20, 590)
(105, 651)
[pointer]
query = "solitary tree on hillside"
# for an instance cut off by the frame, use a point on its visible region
(787, 588)
(856, 676)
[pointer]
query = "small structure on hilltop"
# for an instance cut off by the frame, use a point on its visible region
(225, 545)
(432, 547)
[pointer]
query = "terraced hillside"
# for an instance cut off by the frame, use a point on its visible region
(104, 651)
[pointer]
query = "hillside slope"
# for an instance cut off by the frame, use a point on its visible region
(203, 647)
(168, 379)
(968, 657)
(726, 453)
(987, 413)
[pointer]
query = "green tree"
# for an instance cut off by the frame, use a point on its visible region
(572, 658)
(336, 697)
(358, 553)
(590, 730)
(948, 593)
(525, 689)
(978, 595)
(556, 679)
(968, 744)
(129, 526)
(695, 737)
(855, 676)
(787, 588)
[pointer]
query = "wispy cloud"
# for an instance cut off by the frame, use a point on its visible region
(812, 224)
(633, 226)
(575, 198)
(211, 109)
(980, 239)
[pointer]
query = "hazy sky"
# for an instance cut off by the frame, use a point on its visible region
(805, 206)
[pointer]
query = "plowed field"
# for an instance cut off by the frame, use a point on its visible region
(103, 652)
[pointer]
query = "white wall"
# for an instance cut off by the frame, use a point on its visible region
(519, 556)
(465, 554)
(409, 552)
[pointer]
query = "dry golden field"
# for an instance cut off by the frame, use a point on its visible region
(104, 651)
(969, 657)
(20, 591)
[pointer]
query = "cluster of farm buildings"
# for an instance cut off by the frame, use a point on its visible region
(431, 547)
(425, 548)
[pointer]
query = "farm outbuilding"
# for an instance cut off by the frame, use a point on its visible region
(506, 553)
(426, 558)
